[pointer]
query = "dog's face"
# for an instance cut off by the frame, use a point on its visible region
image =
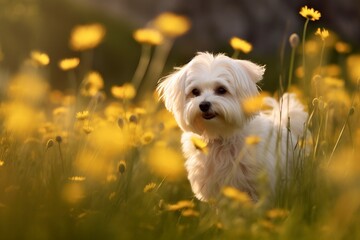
(205, 95)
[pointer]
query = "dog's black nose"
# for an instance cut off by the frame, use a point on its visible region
(205, 106)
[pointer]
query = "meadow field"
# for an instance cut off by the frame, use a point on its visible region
(100, 161)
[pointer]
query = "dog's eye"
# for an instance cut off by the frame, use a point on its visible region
(195, 92)
(220, 91)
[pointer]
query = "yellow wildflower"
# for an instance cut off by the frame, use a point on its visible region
(190, 213)
(1, 163)
(85, 37)
(60, 111)
(88, 129)
(77, 178)
(334, 82)
(149, 187)
(69, 63)
(199, 144)
(342, 47)
(147, 137)
(252, 140)
(277, 213)
(148, 36)
(310, 13)
(235, 194)
(166, 162)
(82, 115)
(126, 91)
(254, 104)
(40, 58)
(180, 205)
(322, 33)
(171, 24)
(353, 67)
(240, 45)
(92, 83)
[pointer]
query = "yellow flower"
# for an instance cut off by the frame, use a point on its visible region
(82, 115)
(92, 83)
(85, 37)
(235, 194)
(69, 63)
(77, 178)
(147, 137)
(149, 187)
(342, 47)
(252, 140)
(322, 33)
(334, 82)
(240, 45)
(1, 163)
(190, 213)
(310, 13)
(353, 67)
(277, 213)
(40, 58)
(87, 129)
(199, 144)
(171, 24)
(148, 36)
(180, 205)
(166, 162)
(126, 91)
(254, 104)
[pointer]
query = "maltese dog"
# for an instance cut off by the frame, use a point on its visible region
(206, 97)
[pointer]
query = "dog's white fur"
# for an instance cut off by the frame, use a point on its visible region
(225, 127)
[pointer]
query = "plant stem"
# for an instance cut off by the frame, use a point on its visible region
(142, 65)
(303, 51)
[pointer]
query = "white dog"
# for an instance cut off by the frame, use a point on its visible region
(205, 97)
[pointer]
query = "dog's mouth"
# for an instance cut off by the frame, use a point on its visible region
(209, 115)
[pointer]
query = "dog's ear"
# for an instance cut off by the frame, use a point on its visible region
(255, 72)
(171, 90)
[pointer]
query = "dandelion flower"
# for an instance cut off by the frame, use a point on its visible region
(84, 37)
(235, 194)
(310, 13)
(40, 58)
(180, 205)
(69, 63)
(126, 91)
(73, 193)
(239, 44)
(148, 36)
(171, 24)
(323, 34)
(252, 140)
(199, 144)
(149, 187)
(82, 115)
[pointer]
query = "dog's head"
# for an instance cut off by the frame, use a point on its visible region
(205, 95)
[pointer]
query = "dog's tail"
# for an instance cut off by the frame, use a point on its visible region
(288, 112)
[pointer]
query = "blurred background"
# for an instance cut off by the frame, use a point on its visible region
(45, 25)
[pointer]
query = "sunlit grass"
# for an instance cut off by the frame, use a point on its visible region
(87, 164)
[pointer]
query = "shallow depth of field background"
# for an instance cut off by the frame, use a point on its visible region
(87, 151)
